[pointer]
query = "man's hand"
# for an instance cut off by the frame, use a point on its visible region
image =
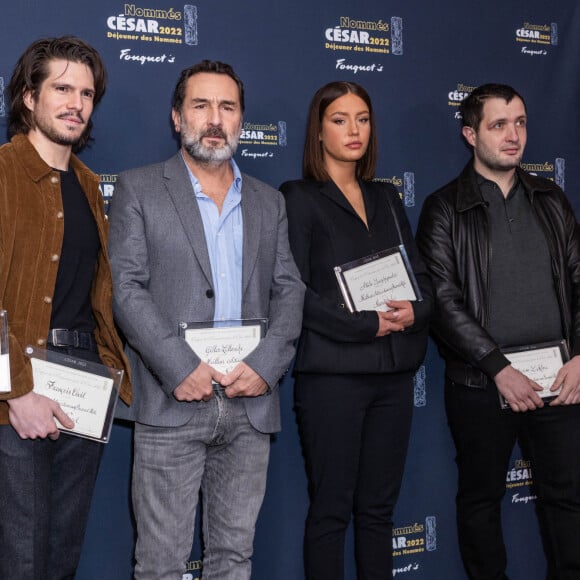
(400, 317)
(518, 390)
(32, 416)
(568, 378)
(243, 381)
(197, 386)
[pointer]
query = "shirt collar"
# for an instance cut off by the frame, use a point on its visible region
(236, 184)
(517, 185)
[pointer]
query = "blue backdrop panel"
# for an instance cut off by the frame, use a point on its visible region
(418, 60)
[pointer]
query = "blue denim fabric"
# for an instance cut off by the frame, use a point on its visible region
(219, 452)
(45, 496)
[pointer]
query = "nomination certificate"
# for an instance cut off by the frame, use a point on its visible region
(86, 391)
(223, 344)
(540, 363)
(4, 356)
(367, 283)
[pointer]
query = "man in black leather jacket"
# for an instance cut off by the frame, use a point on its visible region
(503, 249)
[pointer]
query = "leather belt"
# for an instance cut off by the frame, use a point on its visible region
(72, 338)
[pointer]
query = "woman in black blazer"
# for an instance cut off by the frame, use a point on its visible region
(353, 371)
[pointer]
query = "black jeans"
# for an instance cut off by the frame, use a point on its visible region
(45, 495)
(484, 437)
(355, 432)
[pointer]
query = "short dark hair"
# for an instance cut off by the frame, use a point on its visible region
(205, 66)
(471, 107)
(31, 71)
(313, 159)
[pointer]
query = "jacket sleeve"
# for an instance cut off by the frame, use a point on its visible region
(321, 314)
(572, 241)
(453, 324)
(274, 353)
(20, 369)
(167, 356)
(20, 366)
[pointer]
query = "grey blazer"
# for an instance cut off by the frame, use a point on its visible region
(162, 276)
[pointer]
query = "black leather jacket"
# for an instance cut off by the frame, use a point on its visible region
(453, 239)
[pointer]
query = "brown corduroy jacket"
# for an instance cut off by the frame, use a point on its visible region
(31, 233)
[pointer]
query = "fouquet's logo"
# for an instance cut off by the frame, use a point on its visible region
(412, 567)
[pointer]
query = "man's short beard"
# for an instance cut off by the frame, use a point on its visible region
(209, 155)
(68, 139)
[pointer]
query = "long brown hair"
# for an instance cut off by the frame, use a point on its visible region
(313, 160)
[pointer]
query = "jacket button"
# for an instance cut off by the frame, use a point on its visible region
(209, 293)
(54, 179)
(40, 341)
(60, 215)
(54, 258)
(47, 299)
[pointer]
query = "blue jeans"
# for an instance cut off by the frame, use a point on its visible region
(45, 496)
(218, 451)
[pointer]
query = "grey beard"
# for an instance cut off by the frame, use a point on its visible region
(210, 155)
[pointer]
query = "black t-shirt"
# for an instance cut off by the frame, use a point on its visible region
(71, 306)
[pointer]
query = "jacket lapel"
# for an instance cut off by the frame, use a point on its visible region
(252, 216)
(330, 190)
(181, 192)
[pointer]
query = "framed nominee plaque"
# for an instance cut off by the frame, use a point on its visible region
(86, 391)
(4, 355)
(369, 282)
(540, 363)
(222, 344)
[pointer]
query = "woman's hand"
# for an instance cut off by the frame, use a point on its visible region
(400, 316)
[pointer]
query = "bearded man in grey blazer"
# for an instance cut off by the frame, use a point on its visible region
(193, 239)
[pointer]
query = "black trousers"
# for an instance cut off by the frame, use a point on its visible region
(355, 433)
(484, 437)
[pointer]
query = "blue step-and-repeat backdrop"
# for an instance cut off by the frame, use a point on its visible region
(418, 60)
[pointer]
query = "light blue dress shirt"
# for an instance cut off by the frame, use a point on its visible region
(224, 236)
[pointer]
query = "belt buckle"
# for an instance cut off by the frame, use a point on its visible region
(57, 342)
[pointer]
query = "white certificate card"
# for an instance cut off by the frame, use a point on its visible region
(540, 363)
(226, 344)
(86, 391)
(4, 355)
(368, 283)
